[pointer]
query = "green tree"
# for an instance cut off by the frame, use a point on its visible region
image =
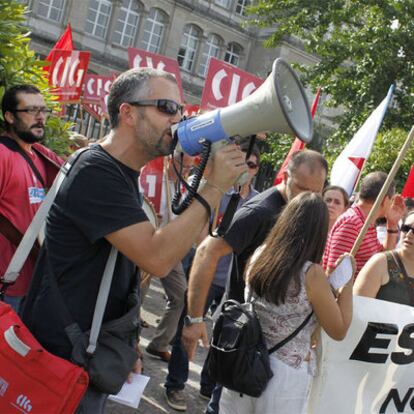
(18, 65)
(386, 148)
(363, 47)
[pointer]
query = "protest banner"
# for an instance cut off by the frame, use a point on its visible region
(150, 181)
(139, 58)
(67, 72)
(225, 85)
(95, 94)
(371, 370)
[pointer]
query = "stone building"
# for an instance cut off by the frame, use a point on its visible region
(190, 31)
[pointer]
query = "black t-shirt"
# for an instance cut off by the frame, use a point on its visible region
(248, 230)
(99, 196)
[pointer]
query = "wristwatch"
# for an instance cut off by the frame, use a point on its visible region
(188, 320)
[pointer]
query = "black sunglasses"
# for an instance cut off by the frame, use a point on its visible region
(251, 164)
(166, 106)
(405, 228)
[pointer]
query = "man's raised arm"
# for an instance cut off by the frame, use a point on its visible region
(203, 269)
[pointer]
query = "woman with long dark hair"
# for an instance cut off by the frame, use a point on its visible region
(287, 283)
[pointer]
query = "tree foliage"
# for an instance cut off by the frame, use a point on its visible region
(19, 65)
(386, 148)
(363, 47)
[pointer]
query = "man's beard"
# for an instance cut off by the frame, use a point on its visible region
(27, 135)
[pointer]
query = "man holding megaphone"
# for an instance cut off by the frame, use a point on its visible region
(98, 206)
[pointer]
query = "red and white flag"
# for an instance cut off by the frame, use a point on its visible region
(348, 166)
(298, 144)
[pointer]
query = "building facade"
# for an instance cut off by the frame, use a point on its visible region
(190, 31)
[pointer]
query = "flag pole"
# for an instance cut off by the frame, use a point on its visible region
(383, 192)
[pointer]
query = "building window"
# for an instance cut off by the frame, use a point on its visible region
(211, 49)
(241, 7)
(189, 45)
(223, 3)
(154, 31)
(127, 23)
(97, 19)
(233, 53)
(51, 9)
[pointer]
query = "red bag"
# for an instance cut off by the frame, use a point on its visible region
(33, 380)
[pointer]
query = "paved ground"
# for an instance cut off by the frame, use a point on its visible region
(153, 401)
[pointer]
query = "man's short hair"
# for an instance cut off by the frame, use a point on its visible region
(10, 100)
(371, 186)
(313, 160)
(129, 86)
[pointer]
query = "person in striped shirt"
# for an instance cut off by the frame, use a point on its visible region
(348, 226)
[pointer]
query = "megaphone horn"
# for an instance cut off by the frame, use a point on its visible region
(278, 105)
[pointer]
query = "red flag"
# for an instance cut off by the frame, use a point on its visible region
(297, 145)
(408, 190)
(64, 43)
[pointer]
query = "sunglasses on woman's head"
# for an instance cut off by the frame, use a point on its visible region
(166, 106)
(405, 228)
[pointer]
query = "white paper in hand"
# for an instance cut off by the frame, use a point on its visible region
(342, 273)
(131, 394)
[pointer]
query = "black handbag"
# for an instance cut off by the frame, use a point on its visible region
(108, 351)
(114, 357)
(238, 357)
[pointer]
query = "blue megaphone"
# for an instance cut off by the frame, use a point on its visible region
(278, 105)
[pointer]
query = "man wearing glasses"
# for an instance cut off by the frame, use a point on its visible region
(27, 169)
(98, 207)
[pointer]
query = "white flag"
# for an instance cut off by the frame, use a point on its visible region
(348, 166)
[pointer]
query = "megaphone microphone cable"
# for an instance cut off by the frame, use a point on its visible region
(177, 207)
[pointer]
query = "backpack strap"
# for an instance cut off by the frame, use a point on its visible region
(30, 236)
(13, 235)
(229, 214)
(12, 145)
(292, 335)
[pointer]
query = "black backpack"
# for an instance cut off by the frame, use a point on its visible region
(238, 357)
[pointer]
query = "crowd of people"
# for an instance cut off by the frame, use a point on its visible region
(279, 248)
